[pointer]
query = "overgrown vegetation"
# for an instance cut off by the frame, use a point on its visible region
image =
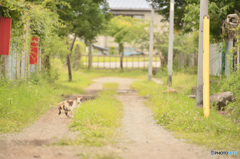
(22, 103)
(178, 113)
(97, 120)
(230, 83)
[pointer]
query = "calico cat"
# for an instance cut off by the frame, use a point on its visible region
(69, 106)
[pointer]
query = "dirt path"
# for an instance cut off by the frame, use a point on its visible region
(151, 141)
(141, 137)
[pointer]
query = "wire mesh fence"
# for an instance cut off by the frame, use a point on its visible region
(113, 62)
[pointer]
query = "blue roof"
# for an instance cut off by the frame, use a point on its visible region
(129, 4)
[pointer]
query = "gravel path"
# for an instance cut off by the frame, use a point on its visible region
(140, 137)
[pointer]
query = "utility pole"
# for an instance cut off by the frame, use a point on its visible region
(206, 39)
(170, 44)
(203, 12)
(151, 45)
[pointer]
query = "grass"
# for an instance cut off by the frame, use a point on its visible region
(177, 113)
(22, 103)
(97, 120)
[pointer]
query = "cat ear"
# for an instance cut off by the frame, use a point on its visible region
(77, 97)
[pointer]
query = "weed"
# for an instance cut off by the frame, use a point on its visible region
(96, 120)
(177, 112)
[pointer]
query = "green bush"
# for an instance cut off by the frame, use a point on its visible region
(231, 83)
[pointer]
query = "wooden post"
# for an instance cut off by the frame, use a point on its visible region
(7, 60)
(13, 64)
(22, 63)
(26, 51)
(90, 56)
(18, 67)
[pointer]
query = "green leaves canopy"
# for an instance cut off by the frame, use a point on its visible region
(186, 14)
(126, 29)
(85, 18)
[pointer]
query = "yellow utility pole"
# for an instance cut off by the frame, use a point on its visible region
(206, 100)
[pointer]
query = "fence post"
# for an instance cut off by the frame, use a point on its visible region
(40, 59)
(13, 64)
(90, 56)
(7, 62)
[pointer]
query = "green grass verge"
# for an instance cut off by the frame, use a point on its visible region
(22, 103)
(177, 112)
(97, 120)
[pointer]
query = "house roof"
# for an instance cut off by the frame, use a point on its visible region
(100, 48)
(129, 5)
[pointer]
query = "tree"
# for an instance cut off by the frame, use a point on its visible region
(186, 14)
(217, 10)
(125, 29)
(162, 7)
(181, 43)
(33, 18)
(180, 46)
(85, 19)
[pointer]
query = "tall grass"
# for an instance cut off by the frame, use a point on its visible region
(177, 112)
(22, 103)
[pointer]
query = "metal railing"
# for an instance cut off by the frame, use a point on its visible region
(113, 62)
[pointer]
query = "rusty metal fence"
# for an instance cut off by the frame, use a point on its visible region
(113, 62)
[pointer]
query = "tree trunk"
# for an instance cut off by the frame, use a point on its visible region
(47, 62)
(90, 55)
(69, 59)
(121, 53)
(191, 60)
(77, 58)
(164, 60)
(181, 60)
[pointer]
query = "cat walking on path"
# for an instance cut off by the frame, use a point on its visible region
(69, 106)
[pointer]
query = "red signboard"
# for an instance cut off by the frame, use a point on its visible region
(5, 33)
(34, 51)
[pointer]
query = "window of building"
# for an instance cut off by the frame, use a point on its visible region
(137, 16)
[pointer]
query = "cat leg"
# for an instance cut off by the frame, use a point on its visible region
(66, 113)
(59, 111)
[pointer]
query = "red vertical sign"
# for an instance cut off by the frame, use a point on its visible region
(34, 51)
(5, 33)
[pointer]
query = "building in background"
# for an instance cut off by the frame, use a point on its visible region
(139, 9)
